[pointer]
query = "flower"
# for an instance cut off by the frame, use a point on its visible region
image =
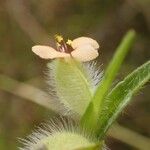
(82, 49)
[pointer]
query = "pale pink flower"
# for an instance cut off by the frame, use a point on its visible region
(82, 49)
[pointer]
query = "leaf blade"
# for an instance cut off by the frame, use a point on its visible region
(120, 95)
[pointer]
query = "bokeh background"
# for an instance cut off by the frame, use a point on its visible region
(24, 23)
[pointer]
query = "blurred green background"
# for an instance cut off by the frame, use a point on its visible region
(24, 23)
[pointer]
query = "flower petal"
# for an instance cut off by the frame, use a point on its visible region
(83, 41)
(47, 52)
(85, 53)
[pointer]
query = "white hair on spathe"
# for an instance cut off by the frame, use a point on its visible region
(94, 72)
(35, 141)
(55, 125)
(63, 108)
(91, 71)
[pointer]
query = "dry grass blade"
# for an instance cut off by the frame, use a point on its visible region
(27, 92)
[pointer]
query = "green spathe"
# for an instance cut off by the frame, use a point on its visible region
(71, 84)
(69, 141)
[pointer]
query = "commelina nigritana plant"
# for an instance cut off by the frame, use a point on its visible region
(87, 105)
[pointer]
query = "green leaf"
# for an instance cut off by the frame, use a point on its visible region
(72, 84)
(120, 95)
(91, 115)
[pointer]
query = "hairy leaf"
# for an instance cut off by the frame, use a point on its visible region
(120, 95)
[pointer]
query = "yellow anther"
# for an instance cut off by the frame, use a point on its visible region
(69, 42)
(58, 38)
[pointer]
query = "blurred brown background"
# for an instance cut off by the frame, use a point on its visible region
(24, 23)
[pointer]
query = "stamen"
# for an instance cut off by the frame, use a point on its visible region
(58, 38)
(69, 42)
(63, 46)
